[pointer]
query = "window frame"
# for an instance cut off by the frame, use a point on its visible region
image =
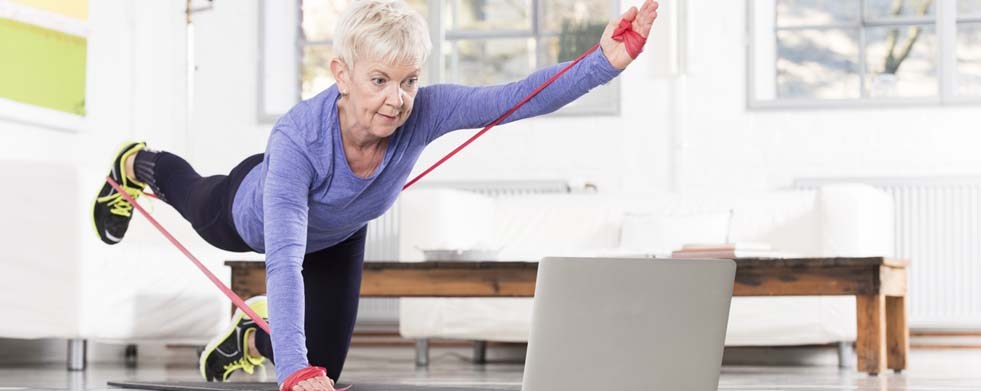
(434, 65)
(945, 22)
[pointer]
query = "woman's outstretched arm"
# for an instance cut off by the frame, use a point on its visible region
(449, 107)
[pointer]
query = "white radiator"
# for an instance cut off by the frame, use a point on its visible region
(383, 234)
(938, 228)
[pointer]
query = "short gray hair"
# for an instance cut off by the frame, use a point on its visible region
(385, 30)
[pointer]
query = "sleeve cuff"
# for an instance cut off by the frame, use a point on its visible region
(599, 63)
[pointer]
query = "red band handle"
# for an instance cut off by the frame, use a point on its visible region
(630, 38)
(301, 375)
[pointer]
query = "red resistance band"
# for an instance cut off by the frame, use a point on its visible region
(228, 292)
(634, 43)
(630, 38)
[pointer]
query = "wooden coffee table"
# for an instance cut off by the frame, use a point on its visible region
(878, 284)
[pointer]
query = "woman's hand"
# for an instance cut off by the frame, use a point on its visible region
(641, 22)
(319, 383)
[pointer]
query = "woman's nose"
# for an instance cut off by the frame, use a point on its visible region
(396, 96)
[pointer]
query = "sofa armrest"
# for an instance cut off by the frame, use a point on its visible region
(42, 248)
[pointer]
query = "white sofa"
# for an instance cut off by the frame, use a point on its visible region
(59, 280)
(838, 220)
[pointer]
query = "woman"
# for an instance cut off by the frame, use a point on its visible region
(333, 163)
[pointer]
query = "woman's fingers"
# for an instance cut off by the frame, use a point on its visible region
(324, 384)
(319, 383)
(640, 21)
(645, 18)
(630, 15)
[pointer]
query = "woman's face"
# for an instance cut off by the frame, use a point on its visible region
(378, 96)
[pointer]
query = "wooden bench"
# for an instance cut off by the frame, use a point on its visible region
(878, 284)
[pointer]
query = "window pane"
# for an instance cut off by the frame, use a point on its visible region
(901, 61)
(559, 12)
(968, 8)
(816, 12)
(320, 16)
(316, 70)
(817, 64)
(573, 40)
(487, 15)
(485, 62)
(879, 9)
(969, 59)
(602, 99)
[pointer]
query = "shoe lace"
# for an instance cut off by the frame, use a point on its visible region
(119, 205)
(243, 364)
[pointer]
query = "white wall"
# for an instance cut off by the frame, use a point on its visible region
(134, 88)
(108, 93)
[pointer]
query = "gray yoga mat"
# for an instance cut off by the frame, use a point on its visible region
(244, 386)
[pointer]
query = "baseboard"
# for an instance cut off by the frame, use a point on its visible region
(945, 339)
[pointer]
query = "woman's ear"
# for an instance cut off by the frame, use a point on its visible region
(342, 74)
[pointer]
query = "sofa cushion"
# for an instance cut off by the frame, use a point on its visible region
(787, 220)
(661, 234)
(532, 227)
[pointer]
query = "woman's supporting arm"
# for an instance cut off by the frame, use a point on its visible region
(285, 207)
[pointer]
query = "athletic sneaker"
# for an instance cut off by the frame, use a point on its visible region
(225, 354)
(111, 212)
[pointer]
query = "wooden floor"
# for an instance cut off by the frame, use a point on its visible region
(934, 370)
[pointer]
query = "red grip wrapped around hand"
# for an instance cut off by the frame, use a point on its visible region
(301, 375)
(630, 38)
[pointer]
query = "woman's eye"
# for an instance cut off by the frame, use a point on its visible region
(378, 81)
(411, 82)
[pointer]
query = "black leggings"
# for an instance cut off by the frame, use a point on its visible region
(331, 277)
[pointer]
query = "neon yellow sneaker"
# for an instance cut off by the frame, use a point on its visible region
(225, 354)
(111, 213)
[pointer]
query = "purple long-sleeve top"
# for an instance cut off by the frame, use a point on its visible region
(304, 197)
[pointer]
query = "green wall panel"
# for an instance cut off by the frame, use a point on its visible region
(42, 67)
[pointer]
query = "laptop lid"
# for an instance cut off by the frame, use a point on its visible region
(628, 324)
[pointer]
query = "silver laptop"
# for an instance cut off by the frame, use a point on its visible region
(628, 324)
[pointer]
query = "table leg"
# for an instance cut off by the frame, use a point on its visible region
(870, 344)
(897, 333)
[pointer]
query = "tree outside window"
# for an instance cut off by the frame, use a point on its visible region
(885, 50)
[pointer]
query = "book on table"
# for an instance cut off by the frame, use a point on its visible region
(726, 251)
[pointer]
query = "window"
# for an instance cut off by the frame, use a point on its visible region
(816, 52)
(484, 42)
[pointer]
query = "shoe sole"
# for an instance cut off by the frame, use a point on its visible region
(213, 344)
(95, 228)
